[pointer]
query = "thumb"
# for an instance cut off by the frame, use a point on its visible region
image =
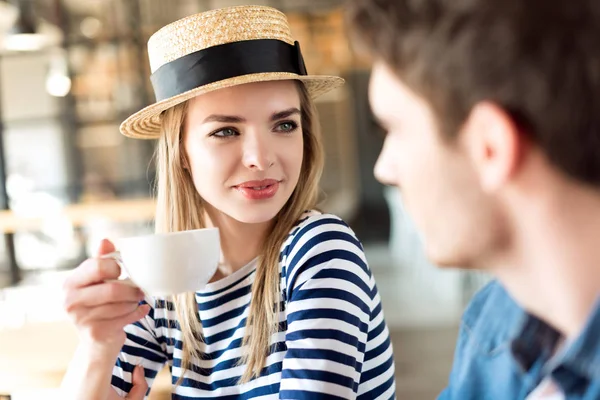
(140, 386)
(105, 247)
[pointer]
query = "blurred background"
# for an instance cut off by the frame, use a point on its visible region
(70, 72)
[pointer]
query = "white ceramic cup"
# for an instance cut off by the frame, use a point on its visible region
(167, 264)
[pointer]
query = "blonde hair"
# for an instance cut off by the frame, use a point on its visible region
(180, 207)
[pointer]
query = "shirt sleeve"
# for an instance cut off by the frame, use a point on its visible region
(329, 305)
(141, 347)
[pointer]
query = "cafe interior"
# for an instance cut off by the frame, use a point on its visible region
(70, 72)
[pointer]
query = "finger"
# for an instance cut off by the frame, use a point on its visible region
(107, 312)
(105, 247)
(140, 386)
(91, 271)
(102, 294)
(105, 329)
(130, 318)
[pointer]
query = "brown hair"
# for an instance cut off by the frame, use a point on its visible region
(537, 59)
(180, 207)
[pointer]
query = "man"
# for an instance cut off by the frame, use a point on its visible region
(492, 113)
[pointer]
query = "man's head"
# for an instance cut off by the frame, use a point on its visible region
(484, 102)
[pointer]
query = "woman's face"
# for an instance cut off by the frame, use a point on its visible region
(244, 148)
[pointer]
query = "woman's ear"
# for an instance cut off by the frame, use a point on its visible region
(184, 160)
(185, 164)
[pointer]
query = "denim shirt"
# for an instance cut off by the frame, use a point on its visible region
(504, 353)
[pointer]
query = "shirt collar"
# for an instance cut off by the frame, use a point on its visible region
(536, 341)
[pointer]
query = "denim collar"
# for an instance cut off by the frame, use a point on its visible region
(583, 355)
(536, 341)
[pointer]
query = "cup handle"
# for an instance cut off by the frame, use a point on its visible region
(116, 255)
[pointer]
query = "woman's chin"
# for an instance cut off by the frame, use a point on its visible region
(253, 214)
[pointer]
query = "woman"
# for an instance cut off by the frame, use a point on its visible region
(294, 311)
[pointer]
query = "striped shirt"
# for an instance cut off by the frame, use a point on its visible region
(333, 341)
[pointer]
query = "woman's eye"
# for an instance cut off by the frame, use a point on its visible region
(287, 126)
(225, 132)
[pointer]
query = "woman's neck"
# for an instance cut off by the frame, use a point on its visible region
(240, 242)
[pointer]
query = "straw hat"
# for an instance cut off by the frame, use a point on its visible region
(218, 49)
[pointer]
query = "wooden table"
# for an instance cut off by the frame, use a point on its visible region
(35, 355)
(118, 210)
(35, 358)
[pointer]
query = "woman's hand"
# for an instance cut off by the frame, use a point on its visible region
(139, 389)
(99, 309)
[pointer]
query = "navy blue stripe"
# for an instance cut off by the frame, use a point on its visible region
(143, 353)
(121, 384)
(127, 367)
(260, 391)
(221, 335)
(328, 313)
(151, 312)
(323, 258)
(216, 292)
(189, 382)
(209, 305)
(275, 348)
(377, 371)
(346, 276)
(318, 220)
(324, 293)
(306, 395)
(302, 230)
(322, 354)
(378, 309)
(224, 365)
(332, 334)
(319, 240)
(215, 354)
(297, 226)
(376, 331)
(322, 376)
(234, 313)
(166, 323)
(225, 334)
(164, 304)
(162, 322)
(168, 341)
(143, 342)
(378, 391)
(377, 351)
(301, 221)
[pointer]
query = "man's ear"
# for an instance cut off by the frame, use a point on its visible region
(494, 143)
